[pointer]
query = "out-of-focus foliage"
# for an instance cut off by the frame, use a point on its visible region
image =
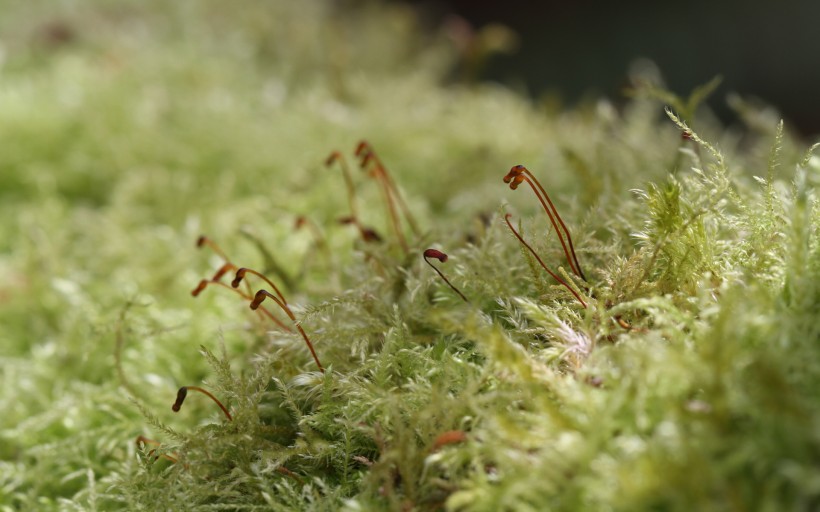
(127, 129)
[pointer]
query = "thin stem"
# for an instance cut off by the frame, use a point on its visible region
(318, 236)
(394, 191)
(271, 263)
(391, 209)
(348, 177)
(552, 214)
(378, 173)
(520, 173)
(204, 240)
(442, 257)
(550, 272)
(261, 295)
(183, 392)
(205, 282)
(365, 151)
(367, 234)
(560, 220)
(145, 440)
(119, 343)
(224, 269)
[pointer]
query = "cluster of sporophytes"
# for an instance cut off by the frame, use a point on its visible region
(401, 334)
(644, 386)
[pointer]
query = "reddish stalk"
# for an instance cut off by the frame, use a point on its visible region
(367, 234)
(520, 173)
(205, 283)
(205, 241)
(442, 257)
(228, 266)
(240, 275)
(394, 216)
(378, 171)
(224, 269)
(365, 151)
(261, 295)
(183, 392)
(280, 301)
(318, 237)
(348, 177)
(538, 258)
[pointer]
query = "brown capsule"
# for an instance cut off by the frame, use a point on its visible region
(442, 257)
(333, 157)
(370, 235)
(183, 392)
(519, 174)
(434, 253)
(199, 288)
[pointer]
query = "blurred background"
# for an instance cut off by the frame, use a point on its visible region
(572, 50)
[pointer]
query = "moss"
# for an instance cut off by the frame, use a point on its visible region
(685, 378)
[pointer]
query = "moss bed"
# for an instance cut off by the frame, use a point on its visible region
(680, 373)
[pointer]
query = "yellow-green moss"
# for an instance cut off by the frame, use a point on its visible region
(130, 128)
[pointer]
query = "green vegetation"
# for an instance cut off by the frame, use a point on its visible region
(690, 381)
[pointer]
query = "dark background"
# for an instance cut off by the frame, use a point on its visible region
(769, 50)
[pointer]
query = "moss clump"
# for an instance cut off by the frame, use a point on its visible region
(685, 378)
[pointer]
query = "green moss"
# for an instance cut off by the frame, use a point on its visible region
(690, 380)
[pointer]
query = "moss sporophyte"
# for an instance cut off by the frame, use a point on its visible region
(370, 162)
(183, 392)
(395, 205)
(519, 174)
(367, 234)
(534, 395)
(280, 301)
(216, 280)
(384, 446)
(442, 257)
(177, 405)
(256, 298)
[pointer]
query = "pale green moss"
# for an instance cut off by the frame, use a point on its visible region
(157, 121)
